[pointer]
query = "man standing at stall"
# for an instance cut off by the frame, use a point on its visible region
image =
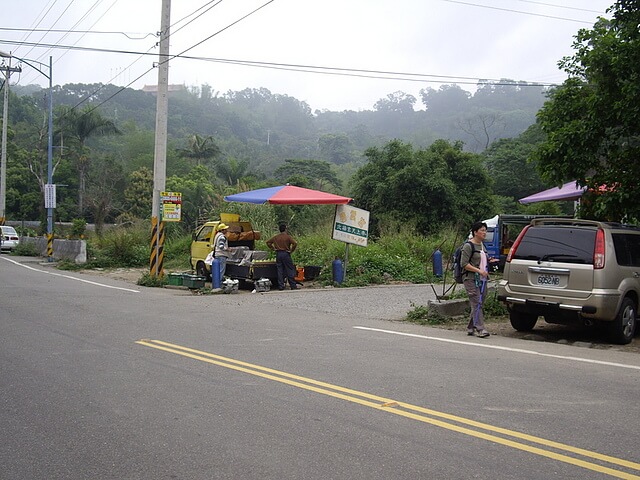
(221, 247)
(284, 245)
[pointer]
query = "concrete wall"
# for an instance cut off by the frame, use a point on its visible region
(72, 250)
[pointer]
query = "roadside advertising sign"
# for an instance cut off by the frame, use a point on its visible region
(171, 206)
(351, 225)
(50, 195)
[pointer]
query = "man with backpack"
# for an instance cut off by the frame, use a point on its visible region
(474, 264)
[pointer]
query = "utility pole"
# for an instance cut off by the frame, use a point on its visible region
(160, 156)
(8, 70)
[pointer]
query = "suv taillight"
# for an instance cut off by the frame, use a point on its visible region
(515, 245)
(598, 251)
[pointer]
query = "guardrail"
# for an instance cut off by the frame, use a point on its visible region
(72, 250)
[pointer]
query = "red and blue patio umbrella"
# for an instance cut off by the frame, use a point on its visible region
(288, 195)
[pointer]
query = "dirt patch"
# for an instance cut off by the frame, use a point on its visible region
(130, 275)
(589, 337)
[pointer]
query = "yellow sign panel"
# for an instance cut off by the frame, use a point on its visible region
(171, 206)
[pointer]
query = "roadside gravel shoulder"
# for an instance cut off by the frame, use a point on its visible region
(392, 302)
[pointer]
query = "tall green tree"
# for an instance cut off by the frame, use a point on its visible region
(138, 195)
(507, 163)
(447, 100)
(201, 149)
(105, 183)
(429, 188)
(231, 170)
(198, 195)
(75, 127)
(336, 147)
(400, 102)
(592, 121)
(318, 174)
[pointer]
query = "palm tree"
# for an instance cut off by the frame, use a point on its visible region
(79, 126)
(201, 148)
(232, 170)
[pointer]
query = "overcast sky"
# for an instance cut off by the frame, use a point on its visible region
(454, 41)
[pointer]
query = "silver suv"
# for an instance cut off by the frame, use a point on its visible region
(569, 271)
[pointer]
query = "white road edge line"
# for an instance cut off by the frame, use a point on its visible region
(496, 347)
(70, 277)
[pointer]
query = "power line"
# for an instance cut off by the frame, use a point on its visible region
(174, 56)
(561, 6)
(379, 74)
(517, 11)
(359, 73)
(42, 17)
(129, 35)
(223, 29)
(193, 13)
(54, 24)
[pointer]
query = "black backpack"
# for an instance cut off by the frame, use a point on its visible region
(458, 271)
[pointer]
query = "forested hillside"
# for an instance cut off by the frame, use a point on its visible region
(104, 142)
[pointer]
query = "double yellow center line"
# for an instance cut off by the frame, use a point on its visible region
(502, 436)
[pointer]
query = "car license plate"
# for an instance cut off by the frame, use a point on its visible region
(549, 280)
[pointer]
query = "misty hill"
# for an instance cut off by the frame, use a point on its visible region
(265, 128)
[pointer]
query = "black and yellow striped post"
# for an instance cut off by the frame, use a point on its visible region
(157, 248)
(50, 246)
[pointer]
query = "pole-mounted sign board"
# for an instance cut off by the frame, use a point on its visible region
(50, 195)
(351, 225)
(171, 206)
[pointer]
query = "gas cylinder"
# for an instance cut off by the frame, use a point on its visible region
(437, 263)
(338, 271)
(216, 281)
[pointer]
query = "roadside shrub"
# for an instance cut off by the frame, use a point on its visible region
(148, 280)
(493, 308)
(69, 266)
(98, 258)
(422, 315)
(25, 249)
(78, 228)
(120, 247)
(177, 250)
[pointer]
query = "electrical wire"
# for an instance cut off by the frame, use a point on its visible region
(517, 11)
(129, 35)
(174, 56)
(54, 24)
(172, 32)
(358, 73)
(69, 31)
(42, 17)
(223, 29)
(560, 6)
(376, 74)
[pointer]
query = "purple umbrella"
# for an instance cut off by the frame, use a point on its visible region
(568, 191)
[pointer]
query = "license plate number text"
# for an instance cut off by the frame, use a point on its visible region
(551, 280)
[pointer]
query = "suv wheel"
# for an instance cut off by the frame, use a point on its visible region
(522, 322)
(624, 325)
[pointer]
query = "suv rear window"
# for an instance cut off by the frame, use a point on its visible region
(560, 244)
(627, 249)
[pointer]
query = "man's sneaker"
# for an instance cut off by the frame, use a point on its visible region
(470, 332)
(483, 333)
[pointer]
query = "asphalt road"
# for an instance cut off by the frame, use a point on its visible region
(104, 380)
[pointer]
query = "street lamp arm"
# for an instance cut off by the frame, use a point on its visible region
(30, 63)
